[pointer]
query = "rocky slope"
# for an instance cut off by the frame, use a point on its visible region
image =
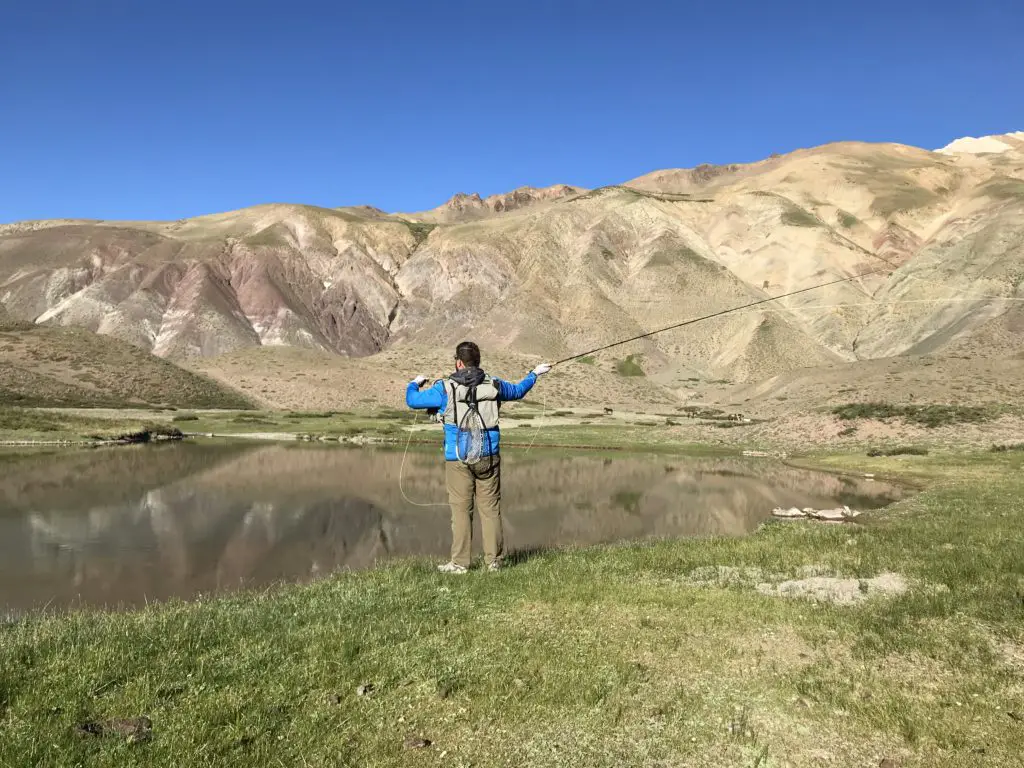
(71, 367)
(552, 272)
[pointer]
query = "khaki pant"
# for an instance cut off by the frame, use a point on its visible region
(475, 486)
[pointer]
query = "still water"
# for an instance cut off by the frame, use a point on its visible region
(128, 525)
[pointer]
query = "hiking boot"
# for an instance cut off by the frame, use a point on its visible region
(495, 566)
(451, 567)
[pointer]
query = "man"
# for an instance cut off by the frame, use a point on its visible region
(469, 402)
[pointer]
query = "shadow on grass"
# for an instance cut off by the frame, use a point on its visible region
(523, 556)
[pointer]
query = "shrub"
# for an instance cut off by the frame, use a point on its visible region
(247, 418)
(926, 415)
(905, 450)
(629, 367)
(1007, 447)
(847, 220)
(798, 217)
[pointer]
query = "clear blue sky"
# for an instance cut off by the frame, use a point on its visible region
(138, 109)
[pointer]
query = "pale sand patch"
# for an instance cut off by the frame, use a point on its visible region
(837, 590)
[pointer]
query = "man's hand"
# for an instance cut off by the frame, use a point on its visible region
(541, 369)
(420, 380)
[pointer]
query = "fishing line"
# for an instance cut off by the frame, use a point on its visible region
(887, 302)
(935, 261)
(401, 469)
(408, 442)
(543, 413)
(719, 314)
(889, 264)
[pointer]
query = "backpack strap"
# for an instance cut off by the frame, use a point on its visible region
(455, 403)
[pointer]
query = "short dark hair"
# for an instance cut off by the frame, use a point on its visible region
(469, 354)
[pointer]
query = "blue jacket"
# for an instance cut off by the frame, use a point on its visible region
(435, 397)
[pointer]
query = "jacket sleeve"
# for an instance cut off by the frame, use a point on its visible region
(431, 397)
(518, 391)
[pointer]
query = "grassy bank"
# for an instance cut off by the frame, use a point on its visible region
(663, 654)
(38, 425)
(528, 425)
(872, 428)
(48, 424)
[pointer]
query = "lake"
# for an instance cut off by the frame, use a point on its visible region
(127, 525)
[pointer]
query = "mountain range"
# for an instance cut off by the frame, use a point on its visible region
(933, 242)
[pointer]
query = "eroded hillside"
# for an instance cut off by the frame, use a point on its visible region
(552, 272)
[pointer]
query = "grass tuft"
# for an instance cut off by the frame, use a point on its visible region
(798, 217)
(1005, 447)
(902, 450)
(847, 220)
(926, 415)
(629, 367)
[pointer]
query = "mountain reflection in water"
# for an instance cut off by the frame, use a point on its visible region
(127, 525)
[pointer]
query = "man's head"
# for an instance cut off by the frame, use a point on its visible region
(467, 355)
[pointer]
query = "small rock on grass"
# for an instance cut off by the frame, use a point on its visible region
(791, 513)
(365, 689)
(415, 742)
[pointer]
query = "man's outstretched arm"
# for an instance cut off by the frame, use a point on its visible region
(432, 397)
(510, 391)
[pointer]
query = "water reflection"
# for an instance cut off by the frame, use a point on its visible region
(127, 525)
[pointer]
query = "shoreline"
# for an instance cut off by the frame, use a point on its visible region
(715, 649)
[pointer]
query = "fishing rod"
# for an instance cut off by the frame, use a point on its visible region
(724, 312)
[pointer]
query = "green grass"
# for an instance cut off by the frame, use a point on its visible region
(1004, 188)
(677, 257)
(37, 424)
(847, 220)
(253, 418)
(900, 450)
(600, 657)
(1007, 447)
(50, 425)
(798, 217)
(903, 199)
(420, 230)
(586, 360)
(629, 367)
(29, 424)
(925, 415)
(518, 414)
